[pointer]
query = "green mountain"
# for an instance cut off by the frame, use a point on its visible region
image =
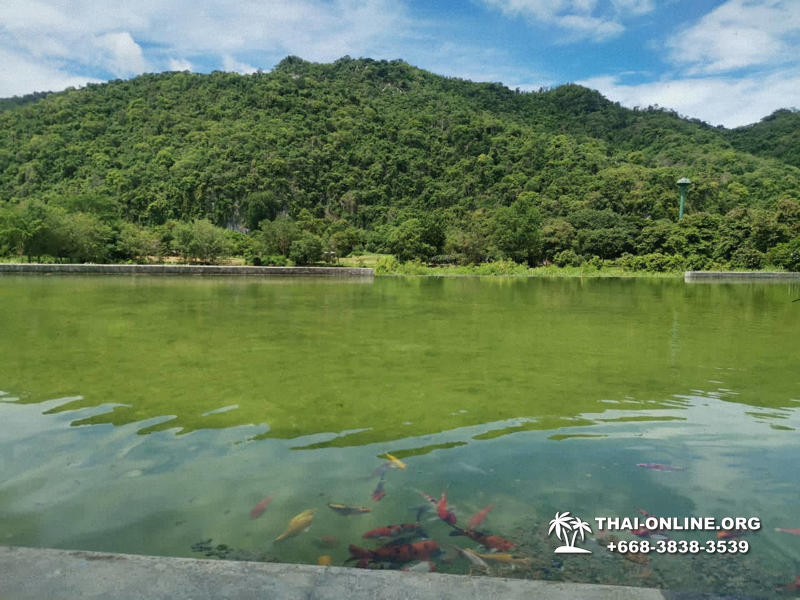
(777, 135)
(384, 156)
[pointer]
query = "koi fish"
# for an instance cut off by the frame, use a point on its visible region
(392, 530)
(380, 471)
(472, 557)
(343, 509)
(444, 514)
(792, 587)
(430, 499)
(397, 553)
(501, 557)
(490, 541)
(644, 532)
(379, 492)
(297, 524)
(420, 510)
(478, 518)
(731, 534)
(792, 531)
(325, 560)
(395, 462)
(259, 508)
(659, 467)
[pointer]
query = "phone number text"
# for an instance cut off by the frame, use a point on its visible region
(680, 547)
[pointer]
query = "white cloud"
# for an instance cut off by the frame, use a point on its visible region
(739, 34)
(716, 100)
(97, 34)
(584, 19)
(20, 75)
(231, 64)
(120, 54)
(179, 64)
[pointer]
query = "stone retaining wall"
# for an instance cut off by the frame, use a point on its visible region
(35, 268)
(739, 276)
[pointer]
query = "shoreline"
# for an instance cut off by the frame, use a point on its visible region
(116, 269)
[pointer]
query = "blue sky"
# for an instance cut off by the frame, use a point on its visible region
(727, 62)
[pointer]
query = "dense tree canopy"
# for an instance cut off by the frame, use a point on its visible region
(382, 156)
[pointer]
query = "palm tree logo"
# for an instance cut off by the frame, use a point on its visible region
(562, 525)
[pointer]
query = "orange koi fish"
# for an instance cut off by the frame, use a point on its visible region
(490, 541)
(444, 514)
(478, 518)
(731, 534)
(379, 491)
(397, 553)
(392, 530)
(259, 508)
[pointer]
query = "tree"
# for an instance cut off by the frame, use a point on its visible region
(199, 239)
(515, 231)
(137, 243)
(406, 242)
(306, 249)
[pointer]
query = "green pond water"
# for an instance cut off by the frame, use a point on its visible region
(150, 414)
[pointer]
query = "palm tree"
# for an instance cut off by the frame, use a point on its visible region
(561, 524)
(579, 526)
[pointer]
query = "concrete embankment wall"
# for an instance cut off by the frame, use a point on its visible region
(37, 573)
(761, 276)
(35, 268)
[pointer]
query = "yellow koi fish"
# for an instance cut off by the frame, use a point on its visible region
(395, 461)
(297, 524)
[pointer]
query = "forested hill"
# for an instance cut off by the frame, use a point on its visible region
(777, 135)
(387, 157)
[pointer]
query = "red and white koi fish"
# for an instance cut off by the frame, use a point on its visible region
(444, 513)
(478, 517)
(397, 553)
(392, 530)
(490, 541)
(259, 508)
(430, 499)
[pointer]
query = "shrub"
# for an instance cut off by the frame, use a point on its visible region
(567, 258)
(386, 264)
(306, 249)
(786, 255)
(747, 258)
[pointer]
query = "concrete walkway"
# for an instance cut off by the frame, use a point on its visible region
(38, 574)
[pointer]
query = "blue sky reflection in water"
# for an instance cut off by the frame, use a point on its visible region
(585, 379)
